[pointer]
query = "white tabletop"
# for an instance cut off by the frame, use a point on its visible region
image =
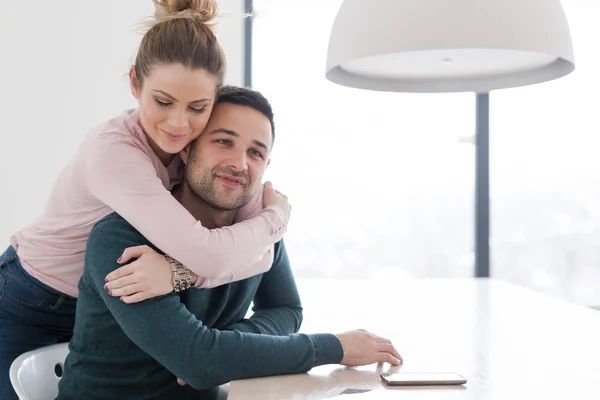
(509, 342)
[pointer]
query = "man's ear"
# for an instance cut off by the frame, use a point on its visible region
(134, 83)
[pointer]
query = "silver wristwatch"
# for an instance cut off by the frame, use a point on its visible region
(182, 279)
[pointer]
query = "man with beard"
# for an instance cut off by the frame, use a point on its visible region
(136, 351)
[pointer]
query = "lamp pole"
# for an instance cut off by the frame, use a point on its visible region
(249, 9)
(482, 185)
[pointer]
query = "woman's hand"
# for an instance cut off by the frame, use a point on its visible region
(275, 197)
(148, 276)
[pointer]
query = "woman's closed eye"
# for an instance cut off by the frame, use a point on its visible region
(162, 103)
(198, 110)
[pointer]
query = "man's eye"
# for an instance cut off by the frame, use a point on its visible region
(256, 153)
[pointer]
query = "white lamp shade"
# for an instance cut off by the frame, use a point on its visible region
(448, 45)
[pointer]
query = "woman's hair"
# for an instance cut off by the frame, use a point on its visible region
(181, 32)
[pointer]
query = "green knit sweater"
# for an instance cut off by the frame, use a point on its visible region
(136, 351)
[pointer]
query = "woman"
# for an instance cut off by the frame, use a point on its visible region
(128, 165)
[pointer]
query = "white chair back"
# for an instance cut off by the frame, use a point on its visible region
(35, 374)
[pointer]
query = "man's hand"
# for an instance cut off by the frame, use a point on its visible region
(275, 197)
(363, 348)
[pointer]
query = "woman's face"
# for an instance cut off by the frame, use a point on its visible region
(175, 103)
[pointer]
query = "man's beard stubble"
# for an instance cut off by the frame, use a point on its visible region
(204, 189)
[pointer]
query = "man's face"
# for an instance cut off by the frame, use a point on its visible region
(227, 162)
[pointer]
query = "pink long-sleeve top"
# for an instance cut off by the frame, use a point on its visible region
(115, 169)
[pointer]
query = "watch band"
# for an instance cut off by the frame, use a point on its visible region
(182, 279)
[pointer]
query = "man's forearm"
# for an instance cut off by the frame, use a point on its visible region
(167, 331)
(280, 321)
(206, 357)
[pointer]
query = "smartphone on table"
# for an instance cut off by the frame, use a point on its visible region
(423, 379)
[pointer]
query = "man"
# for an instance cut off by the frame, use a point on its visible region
(136, 351)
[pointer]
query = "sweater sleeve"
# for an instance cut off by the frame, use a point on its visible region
(277, 307)
(250, 210)
(121, 175)
(201, 356)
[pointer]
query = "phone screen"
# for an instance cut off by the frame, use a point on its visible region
(411, 379)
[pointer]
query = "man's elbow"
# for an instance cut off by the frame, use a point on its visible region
(205, 378)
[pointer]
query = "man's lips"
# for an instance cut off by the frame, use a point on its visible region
(232, 180)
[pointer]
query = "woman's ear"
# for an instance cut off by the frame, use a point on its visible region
(134, 83)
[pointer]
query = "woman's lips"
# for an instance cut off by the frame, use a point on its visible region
(171, 136)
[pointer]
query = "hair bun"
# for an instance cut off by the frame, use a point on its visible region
(204, 11)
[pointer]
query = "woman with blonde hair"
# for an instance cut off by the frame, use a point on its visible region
(128, 165)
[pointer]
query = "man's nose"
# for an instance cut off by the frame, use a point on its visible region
(239, 161)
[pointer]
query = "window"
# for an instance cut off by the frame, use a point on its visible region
(545, 174)
(381, 184)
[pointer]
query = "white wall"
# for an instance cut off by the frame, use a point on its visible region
(63, 69)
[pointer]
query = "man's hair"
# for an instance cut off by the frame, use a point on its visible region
(246, 97)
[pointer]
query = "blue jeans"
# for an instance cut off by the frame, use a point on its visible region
(32, 315)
